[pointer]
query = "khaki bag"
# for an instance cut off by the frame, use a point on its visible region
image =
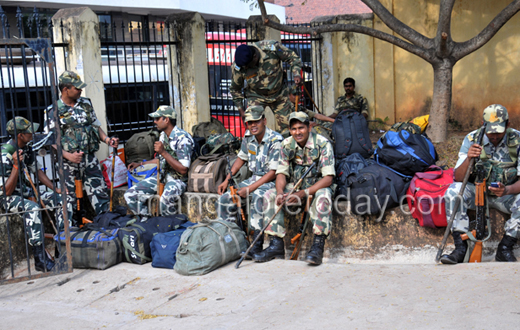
(209, 245)
(207, 172)
(208, 128)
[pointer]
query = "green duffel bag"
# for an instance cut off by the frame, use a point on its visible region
(209, 245)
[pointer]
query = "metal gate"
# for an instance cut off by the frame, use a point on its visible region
(27, 65)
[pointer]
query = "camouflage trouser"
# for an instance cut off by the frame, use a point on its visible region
(33, 220)
(320, 212)
(227, 209)
(93, 183)
(137, 197)
(509, 204)
(281, 108)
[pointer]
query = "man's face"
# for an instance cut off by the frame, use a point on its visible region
(256, 127)
(300, 132)
(160, 123)
(292, 98)
(25, 138)
(349, 88)
(72, 92)
(495, 138)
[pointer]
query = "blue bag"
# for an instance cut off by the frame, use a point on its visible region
(140, 173)
(164, 246)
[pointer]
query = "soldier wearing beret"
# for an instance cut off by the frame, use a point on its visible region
(260, 66)
(81, 134)
(261, 150)
(297, 154)
(498, 155)
(174, 150)
(17, 156)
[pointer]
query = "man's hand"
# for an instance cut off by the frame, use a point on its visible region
(74, 157)
(222, 187)
(243, 192)
(280, 198)
(500, 191)
(113, 142)
(133, 165)
(297, 80)
(17, 158)
(474, 151)
(158, 147)
(296, 198)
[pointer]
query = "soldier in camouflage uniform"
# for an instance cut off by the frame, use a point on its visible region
(16, 156)
(174, 148)
(261, 150)
(499, 154)
(298, 152)
(351, 100)
(260, 66)
(81, 134)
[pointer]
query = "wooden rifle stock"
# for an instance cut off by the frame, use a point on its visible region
(114, 154)
(298, 238)
(234, 197)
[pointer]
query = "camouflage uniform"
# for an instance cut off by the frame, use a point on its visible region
(356, 102)
(79, 132)
(502, 154)
(261, 158)
(294, 161)
(180, 146)
(265, 85)
(18, 200)
(324, 128)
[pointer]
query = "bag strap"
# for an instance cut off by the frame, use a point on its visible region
(426, 176)
(128, 247)
(346, 128)
(359, 126)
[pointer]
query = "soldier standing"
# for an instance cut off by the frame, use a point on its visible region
(81, 134)
(174, 149)
(499, 156)
(260, 66)
(16, 156)
(298, 152)
(261, 150)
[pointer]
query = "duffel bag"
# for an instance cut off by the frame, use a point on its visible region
(112, 220)
(426, 196)
(374, 189)
(350, 165)
(135, 239)
(206, 173)
(140, 173)
(164, 247)
(209, 245)
(93, 249)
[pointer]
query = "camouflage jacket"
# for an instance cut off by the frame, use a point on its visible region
(266, 79)
(79, 125)
(501, 162)
(261, 158)
(295, 160)
(356, 102)
(6, 167)
(180, 146)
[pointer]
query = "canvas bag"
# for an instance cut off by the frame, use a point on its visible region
(206, 173)
(140, 173)
(209, 245)
(139, 146)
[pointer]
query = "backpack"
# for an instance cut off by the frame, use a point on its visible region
(209, 245)
(426, 196)
(351, 135)
(405, 153)
(136, 238)
(164, 247)
(220, 144)
(208, 128)
(347, 166)
(140, 146)
(206, 173)
(374, 189)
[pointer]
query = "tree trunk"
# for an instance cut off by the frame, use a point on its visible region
(441, 100)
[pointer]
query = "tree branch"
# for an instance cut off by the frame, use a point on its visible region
(397, 26)
(462, 49)
(443, 37)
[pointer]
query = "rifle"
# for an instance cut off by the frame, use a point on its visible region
(234, 196)
(155, 209)
(298, 239)
(459, 196)
(80, 214)
(114, 154)
(274, 215)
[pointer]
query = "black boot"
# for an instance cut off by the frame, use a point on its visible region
(41, 260)
(276, 249)
(258, 247)
(315, 255)
(505, 249)
(457, 256)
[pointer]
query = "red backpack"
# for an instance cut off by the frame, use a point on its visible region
(426, 196)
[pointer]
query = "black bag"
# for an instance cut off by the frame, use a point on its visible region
(136, 238)
(374, 189)
(111, 220)
(405, 153)
(350, 134)
(350, 165)
(139, 146)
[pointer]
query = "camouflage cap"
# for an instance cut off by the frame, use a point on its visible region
(164, 111)
(71, 77)
(496, 116)
(300, 115)
(254, 112)
(22, 126)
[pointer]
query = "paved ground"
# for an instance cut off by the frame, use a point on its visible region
(279, 294)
